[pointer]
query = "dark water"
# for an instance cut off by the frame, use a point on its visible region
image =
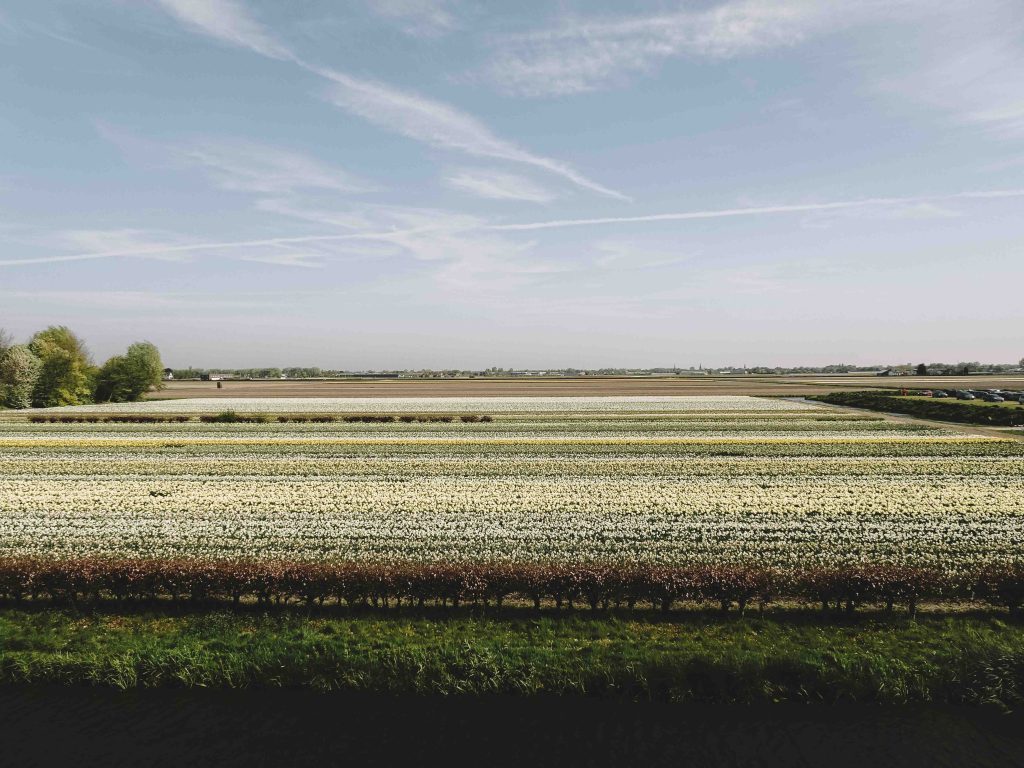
(42, 726)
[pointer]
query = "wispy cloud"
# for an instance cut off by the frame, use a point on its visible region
(286, 259)
(439, 125)
(138, 301)
(911, 211)
(409, 114)
(160, 245)
(93, 245)
(402, 225)
(967, 59)
(247, 166)
(236, 163)
(419, 18)
(495, 184)
(228, 21)
(581, 54)
(619, 255)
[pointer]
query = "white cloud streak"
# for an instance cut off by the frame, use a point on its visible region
(228, 21)
(439, 125)
(251, 167)
(417, 223)
(418, 18)
(967, 59)
(425, 120)
(494, 184)
(582, 55)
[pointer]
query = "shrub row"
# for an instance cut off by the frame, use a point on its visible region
(230, 417)
(597, 586)
(940, 409)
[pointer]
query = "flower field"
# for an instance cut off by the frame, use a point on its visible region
(727, 499)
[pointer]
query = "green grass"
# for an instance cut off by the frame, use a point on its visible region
(799, 657)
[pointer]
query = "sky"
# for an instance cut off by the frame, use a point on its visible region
(382, 184)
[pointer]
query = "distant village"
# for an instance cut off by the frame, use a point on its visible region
(919, 369)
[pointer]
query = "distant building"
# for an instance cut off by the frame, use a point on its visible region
(168, 374)
(886, 372)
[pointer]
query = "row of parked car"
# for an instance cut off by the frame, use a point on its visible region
(988, 395)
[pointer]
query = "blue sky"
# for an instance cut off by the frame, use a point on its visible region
(436, 183)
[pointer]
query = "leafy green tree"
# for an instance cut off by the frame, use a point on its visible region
(922, 369)
(6, 342)
(126, 378)
(19, 371)
(66, 374)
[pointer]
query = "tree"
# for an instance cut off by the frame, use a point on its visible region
(19, 371)
(6, 342)
(922, 369)
(126, 378)
(66, 373)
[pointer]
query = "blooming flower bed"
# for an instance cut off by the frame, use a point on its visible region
(753, 485)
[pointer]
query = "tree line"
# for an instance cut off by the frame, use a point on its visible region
(55, 368)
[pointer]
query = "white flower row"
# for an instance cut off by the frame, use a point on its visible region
(938, 521)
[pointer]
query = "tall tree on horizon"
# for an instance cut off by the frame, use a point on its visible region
(126, 378)
(67, 373)
(19, 371)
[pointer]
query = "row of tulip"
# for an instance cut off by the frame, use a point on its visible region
(144, 443)
(127, 464)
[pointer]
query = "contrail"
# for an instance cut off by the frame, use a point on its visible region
(220, 245)
(754, 211)
(766, 210)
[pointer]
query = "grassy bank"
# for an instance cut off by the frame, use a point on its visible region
(959, 411)
(799, 657)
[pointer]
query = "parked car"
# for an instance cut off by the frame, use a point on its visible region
(963, 394)
(939, 393)
(925, 393)
(991, 398)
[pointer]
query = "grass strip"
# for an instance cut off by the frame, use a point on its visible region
(800, 658)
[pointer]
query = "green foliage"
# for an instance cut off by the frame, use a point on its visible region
(66, 374)
(126, 378)
(797, 656)
(940, 409)
(19, 371)
(225, 417)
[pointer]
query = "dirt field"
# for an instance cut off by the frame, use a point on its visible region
(574, 387)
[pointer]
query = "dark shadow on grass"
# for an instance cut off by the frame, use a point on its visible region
(54, 725)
